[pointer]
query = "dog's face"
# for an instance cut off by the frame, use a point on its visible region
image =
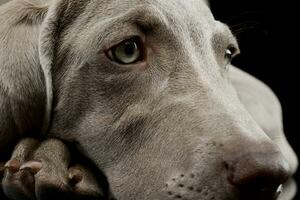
(143, 87)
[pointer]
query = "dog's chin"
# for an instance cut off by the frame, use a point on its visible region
(289, 190)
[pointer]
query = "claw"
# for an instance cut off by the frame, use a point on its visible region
(33, 166)
(13, 166)
(75, 176)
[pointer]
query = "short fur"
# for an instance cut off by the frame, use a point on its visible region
(146, 128)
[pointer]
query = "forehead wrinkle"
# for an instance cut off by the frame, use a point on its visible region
(170, 15)
(149, 17)
(146, 15)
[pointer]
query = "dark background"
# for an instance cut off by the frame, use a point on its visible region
(269, 41)
(268, 37)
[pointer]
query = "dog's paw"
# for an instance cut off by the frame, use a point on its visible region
(18, 184)
(42, 171)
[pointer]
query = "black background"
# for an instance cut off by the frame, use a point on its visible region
(268, 37)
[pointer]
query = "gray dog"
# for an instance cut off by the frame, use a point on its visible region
(146, 90)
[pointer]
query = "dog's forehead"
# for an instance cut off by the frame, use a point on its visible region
(177, 10)
(188, 24)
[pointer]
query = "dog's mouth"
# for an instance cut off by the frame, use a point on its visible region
(285, 191)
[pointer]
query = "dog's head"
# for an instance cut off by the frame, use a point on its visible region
(143, 86)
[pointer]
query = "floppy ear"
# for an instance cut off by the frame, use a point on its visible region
(61, 13)
(49, 34)
(22, 94)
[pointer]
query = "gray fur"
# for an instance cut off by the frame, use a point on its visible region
(3, 1)
(181, 115)
(22, 83)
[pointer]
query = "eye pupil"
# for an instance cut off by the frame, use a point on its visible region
(127, 52)
(228, 54)
(130, 48)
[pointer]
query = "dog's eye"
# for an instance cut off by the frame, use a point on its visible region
(127, 52)
(230, 53)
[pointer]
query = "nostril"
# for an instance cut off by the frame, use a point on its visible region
(259, 169)
(258, 175)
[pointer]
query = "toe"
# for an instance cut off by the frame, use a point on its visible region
(32, 166)
(19, 184)
(75, 176)
(84, 183)
(51, 173)
(13, 166)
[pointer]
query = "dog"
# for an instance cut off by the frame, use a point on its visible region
(147, 92)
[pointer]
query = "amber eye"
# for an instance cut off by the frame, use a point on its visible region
(127, 52)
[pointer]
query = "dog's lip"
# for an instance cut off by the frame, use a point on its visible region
(288, 192)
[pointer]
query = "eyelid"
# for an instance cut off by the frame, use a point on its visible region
(233, 47)
(120, 40)
(109, 54)
(233, 44)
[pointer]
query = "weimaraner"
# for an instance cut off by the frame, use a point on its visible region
(144, 89)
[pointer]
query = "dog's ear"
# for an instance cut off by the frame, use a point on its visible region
(49, 34)
(21, 80)
(61, 13)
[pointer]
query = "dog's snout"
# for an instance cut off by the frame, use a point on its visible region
(258, 175)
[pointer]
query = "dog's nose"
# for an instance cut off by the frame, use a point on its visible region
(258, 175)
